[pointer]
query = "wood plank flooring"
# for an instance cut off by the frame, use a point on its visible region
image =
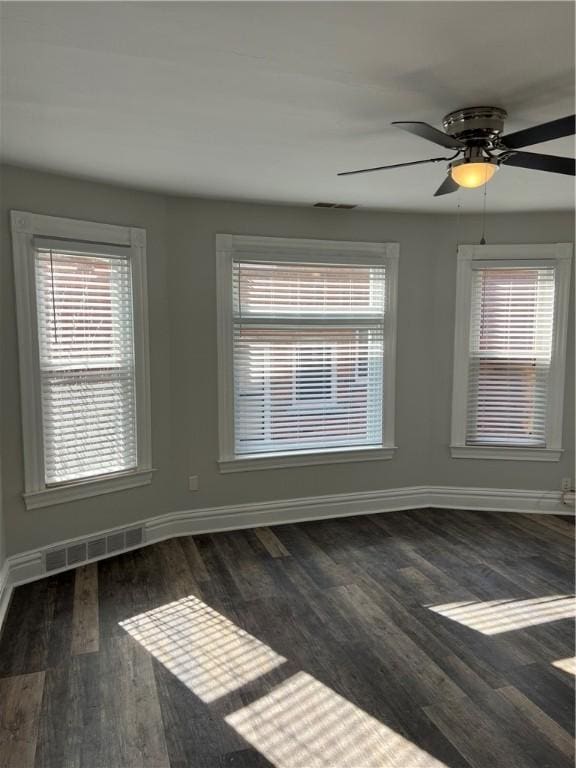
(408, 640)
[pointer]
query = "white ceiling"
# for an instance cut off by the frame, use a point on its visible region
(267, 101)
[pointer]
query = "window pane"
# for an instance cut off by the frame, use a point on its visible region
(283, 289)
(510, 402)
(510, 354)
(84, 307)
(299, 389)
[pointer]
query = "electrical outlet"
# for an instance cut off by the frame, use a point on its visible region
(566, 483)
(193, 483)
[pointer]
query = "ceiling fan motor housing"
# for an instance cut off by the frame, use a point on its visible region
(476, 124)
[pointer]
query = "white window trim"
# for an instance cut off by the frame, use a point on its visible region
(26, 226)
(560, 256)
(258, 248)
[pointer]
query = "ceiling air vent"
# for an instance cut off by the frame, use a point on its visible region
(334, 205)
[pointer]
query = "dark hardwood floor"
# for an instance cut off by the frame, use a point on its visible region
(407, 640)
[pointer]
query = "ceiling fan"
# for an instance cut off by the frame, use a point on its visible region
(475, 133)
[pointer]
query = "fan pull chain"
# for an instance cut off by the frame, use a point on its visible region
(458, 212)
(483, 238)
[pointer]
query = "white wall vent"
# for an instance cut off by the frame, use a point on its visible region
(134, 537)
(92, 549)
(115, 542)
(76, 553)
(55, 559)
(96, 548)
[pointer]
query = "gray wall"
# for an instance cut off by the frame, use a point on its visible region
(55, 195)
(2, 533)
(181, 269)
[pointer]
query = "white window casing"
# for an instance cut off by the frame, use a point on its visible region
(509, 351)
(306, 351)
(81, 301)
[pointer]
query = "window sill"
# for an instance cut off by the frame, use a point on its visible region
(503, 452)
(285, 460)
(82, 490)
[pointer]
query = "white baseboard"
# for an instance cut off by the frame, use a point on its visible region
(29, 566)
(5, 590)
(499, 500)
(286, 511)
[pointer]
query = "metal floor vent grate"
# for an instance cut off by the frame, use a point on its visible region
(115, 542)
(76, 553)
(96, 548)
(54, 559)
(58, 558)
(134, 537)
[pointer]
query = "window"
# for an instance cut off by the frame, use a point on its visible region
(511, 318)
(307, 346)
(81, 299)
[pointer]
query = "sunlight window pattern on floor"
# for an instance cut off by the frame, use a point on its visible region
(493, 617)
(566, 665)
(304, 723)
(298, 723)
(207, 652)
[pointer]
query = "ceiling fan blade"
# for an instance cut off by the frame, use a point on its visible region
(556, 129)
(447, 186)
(426, 131)
(395, 165)
(535, 162)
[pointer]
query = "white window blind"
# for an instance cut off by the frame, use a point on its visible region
(511, 335)
(308, 355)
(87, 371)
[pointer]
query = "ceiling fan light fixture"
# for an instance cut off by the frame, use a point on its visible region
(471, 173)
(475, 134)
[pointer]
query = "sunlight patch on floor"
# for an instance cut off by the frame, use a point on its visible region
(298, 723)
(495, 616)
(302, 722)
(207, 652)
(566, 665)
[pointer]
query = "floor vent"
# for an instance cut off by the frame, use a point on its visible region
(55, 558)
(96, 548)
(76, 553)
(133, 537)
(115, 542)
(58, 558)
